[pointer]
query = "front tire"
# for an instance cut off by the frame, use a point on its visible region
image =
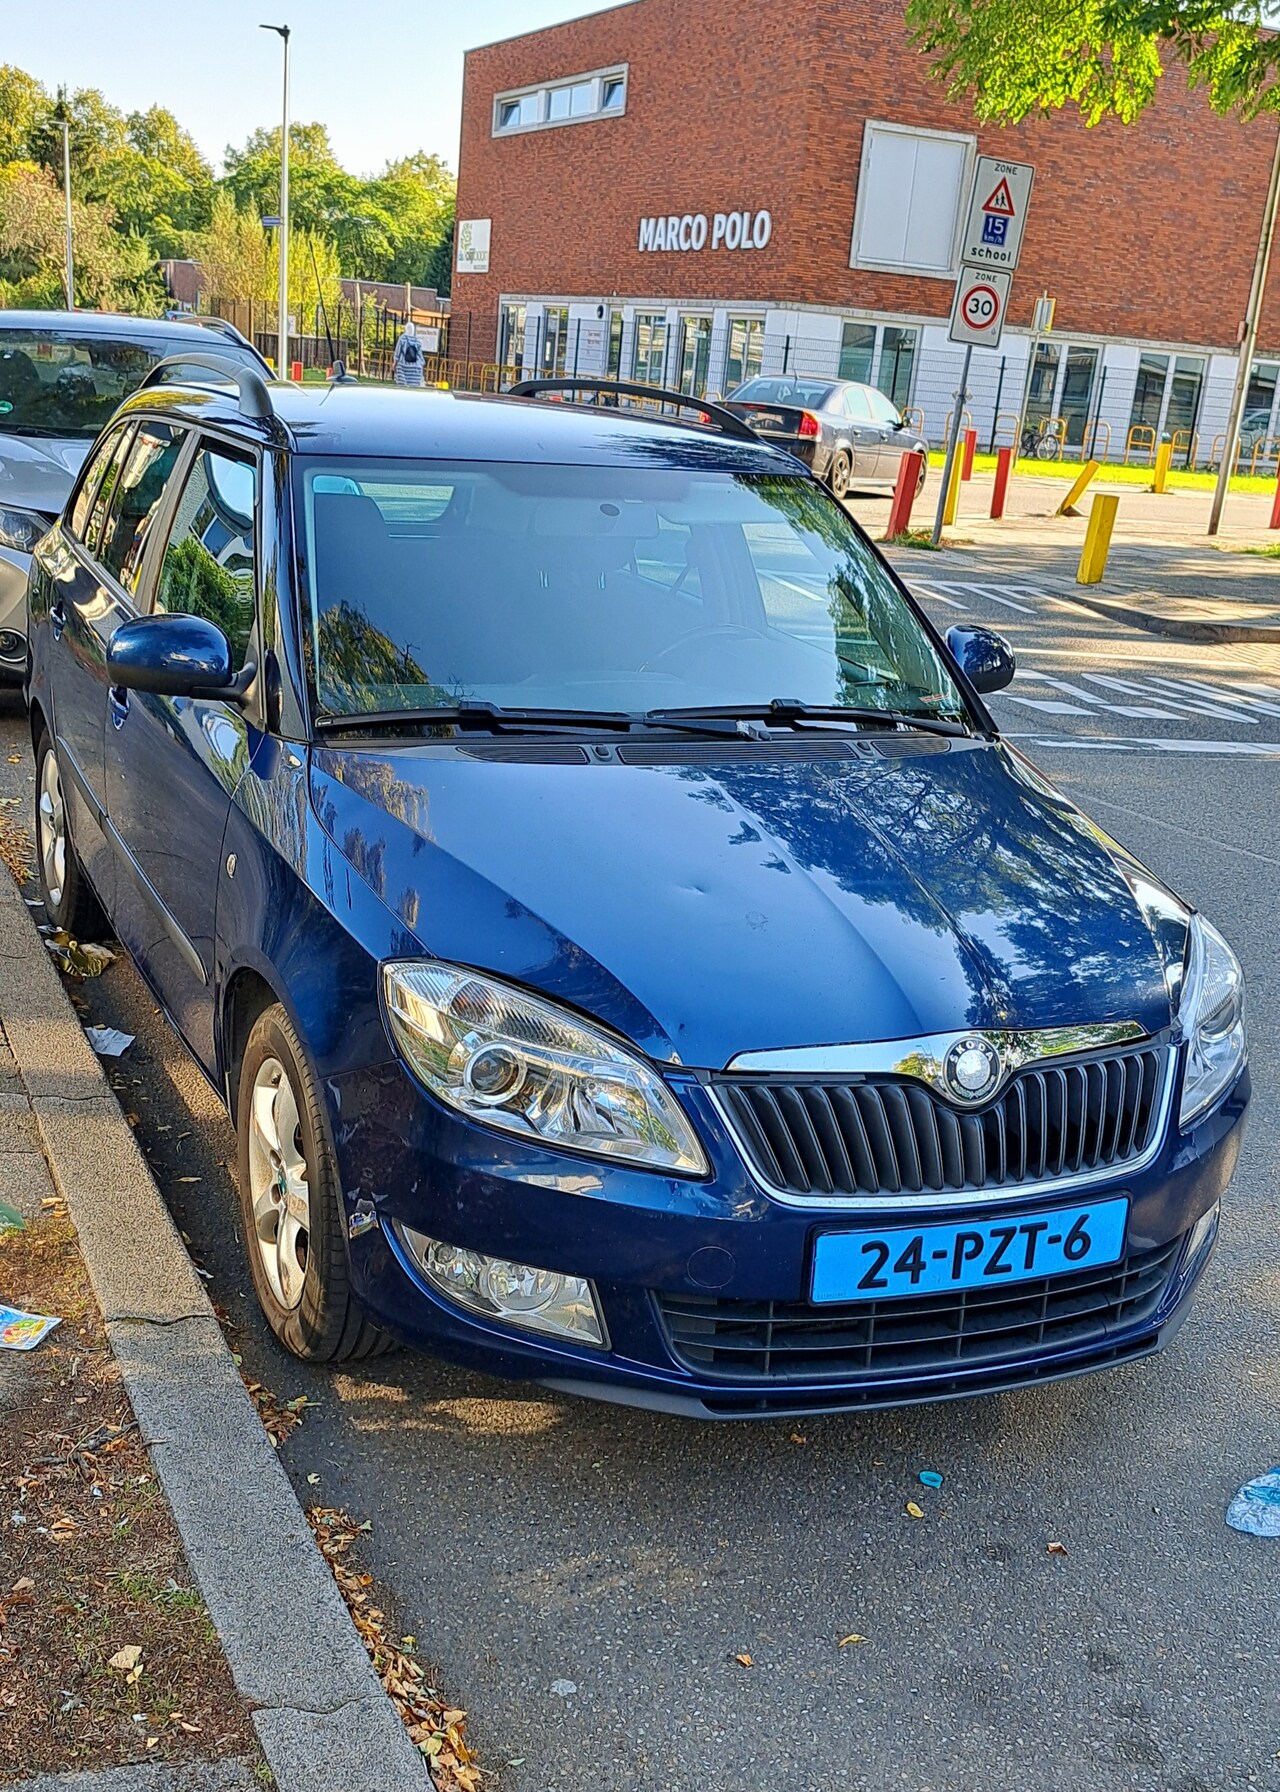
(291, 1202)
(69, 902)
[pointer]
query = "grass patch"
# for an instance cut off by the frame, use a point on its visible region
(1118, 474)
(914, 538)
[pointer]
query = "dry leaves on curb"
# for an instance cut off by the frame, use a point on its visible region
(279, 1417)
(435, 1727)
(16, 849)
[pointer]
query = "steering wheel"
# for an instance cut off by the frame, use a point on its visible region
(698, 634)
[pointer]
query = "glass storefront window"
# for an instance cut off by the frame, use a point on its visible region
(695, 355)
(897, 359)
(857, 352)
(745, 358)
(614, 368)
(1077, 392)
(511, 335)
(1256, 425)
(1148, 394)
(1044, 381)
(1183, 407)
(650, 352)
(555, 340)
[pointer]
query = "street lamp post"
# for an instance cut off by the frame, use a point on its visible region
(282, 330)
(1248, 342)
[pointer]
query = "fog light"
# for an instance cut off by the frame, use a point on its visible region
(1202, 1232)
(538, 1300)
(13, 646)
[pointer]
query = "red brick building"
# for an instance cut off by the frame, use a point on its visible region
(687, 191)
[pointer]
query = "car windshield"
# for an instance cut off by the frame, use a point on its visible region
(596, 587)
(812, 394)
(58, 382)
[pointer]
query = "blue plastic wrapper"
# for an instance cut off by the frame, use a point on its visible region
(929, 1477)
(1256, 1508)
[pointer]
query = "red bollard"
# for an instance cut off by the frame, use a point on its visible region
(910, 468)
(1004, 466)
(970, 449)
(1275, 509)
(295, 371)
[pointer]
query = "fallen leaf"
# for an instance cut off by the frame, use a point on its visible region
(1057, 1549)
(744, 1661)
(125, 1660)
(914, 1511)
(23, 1585)
(313, 1480)
(152, 1740)
(853, 1638)
(133, 1676)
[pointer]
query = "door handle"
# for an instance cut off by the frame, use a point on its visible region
(57, 619)
(119, 699)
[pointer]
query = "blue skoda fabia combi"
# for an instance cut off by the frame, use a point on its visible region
(628, 952)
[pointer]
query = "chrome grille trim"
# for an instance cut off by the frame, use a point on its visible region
(904, 1122)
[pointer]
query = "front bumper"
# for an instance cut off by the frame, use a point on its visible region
(660, 1250)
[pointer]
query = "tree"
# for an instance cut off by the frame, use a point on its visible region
(240, 260)
(319, 188)
(1013, 57)
(115, 271)
(417, 196)
(24, 108)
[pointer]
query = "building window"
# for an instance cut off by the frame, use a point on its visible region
(1255, 425)
(695, 355)
(649, 354)
(911, 189)
(599, 95)
(1076, 395)
(614, 368)
(897, 360)
(511, 335)
(555, 340)
(857, 352)
(1148, 393)
(745, 358)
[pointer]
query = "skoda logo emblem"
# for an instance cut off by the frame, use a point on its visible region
(972, 1069)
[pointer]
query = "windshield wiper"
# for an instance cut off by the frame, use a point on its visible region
(474, 714)
(788, 711)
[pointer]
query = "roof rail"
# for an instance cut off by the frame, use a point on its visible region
(715, 414)
(255, 394)
(221, 325)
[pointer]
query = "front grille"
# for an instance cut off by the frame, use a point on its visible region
(935, 1334)
(821, 1138)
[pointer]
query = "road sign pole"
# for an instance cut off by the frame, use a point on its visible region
(957, 415)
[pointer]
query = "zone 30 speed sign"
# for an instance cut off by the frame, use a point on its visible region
(977, 312)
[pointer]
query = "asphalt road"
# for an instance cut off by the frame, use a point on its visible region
(535, 1544)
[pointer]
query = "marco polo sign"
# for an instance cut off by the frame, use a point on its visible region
(695, 230)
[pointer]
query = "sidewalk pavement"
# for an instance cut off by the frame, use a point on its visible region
(322, 1719)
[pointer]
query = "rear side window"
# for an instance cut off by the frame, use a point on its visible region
(856, 405)
(105, 495)
(209, 567)
(147, 468)
(95, 493)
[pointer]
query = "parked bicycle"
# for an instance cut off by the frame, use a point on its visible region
(1038, 442)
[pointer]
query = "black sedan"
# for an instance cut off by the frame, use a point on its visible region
(849, 434)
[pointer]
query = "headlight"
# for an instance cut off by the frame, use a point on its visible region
(22, 529)
(515, 1062)
(1212, 1016)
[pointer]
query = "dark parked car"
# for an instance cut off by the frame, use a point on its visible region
(62, 375)
(630, 955)
(849, 435)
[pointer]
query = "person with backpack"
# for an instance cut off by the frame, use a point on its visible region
(408, 365)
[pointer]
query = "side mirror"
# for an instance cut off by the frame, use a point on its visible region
(985, 658)
(176, 656)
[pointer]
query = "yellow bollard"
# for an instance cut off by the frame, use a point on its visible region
(1164, 454)
(1068, 504)
(953, 490)
(1097, 538)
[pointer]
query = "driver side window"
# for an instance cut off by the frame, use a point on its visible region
(209, 566)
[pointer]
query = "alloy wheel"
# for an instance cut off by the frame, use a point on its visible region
(278, 1185)
(51, 827)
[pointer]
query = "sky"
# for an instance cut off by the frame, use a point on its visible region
(385, 76)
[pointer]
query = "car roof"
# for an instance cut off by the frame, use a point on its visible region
(117, 323)
(394, 423)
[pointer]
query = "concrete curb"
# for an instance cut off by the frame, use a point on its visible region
(322, 1719)
(1221, 634)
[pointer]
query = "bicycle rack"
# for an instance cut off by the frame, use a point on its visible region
(1089, 445)
(1141, 436)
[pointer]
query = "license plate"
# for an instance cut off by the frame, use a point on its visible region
(766, 420)
(888, 1264)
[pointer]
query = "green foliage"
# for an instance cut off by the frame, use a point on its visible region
(1009, 58)
(143, 192)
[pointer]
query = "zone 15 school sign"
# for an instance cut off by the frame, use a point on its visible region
(997, 213)
(694, 230)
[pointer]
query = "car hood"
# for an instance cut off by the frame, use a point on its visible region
(706, 901)
(36, 472)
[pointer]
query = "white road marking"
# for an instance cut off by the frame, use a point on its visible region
(938, 598)
(984, 591)
(1153, 743)
(1050, 708)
